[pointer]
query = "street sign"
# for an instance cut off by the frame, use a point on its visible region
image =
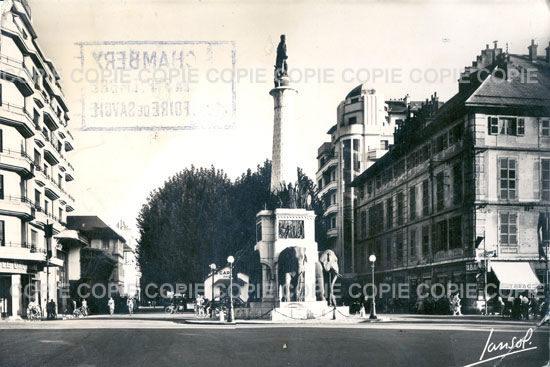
(481, 254)
(472, 268)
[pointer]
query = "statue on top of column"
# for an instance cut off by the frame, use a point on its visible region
(281, 66)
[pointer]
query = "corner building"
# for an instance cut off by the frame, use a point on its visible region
(35, 172)
(363, 133)
(475, 168)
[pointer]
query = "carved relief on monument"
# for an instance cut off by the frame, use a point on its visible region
(291, 229)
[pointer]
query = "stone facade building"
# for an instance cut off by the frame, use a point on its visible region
(474, 171)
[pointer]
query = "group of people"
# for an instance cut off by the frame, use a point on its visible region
(130, 303)
(34, 311)
(521, 307)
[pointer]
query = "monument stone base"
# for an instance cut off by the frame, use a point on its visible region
(291, 311)
(288, 311)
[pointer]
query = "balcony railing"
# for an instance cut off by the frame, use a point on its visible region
(330, 159)
(16, 154)
(56, 184)
(13, 108)
(16, 64)
(19, 199)
(53, 143)
(15, 244)
(51, 216)
(33, 248)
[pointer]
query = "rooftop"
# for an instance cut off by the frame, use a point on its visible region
(92, 227)
(495, 79)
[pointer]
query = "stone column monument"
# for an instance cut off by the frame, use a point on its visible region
(286, 233)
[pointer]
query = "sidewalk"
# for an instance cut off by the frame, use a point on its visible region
(384, 318)
(191, 319)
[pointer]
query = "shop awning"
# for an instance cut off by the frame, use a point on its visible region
(515, 275)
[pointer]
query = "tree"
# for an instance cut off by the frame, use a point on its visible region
(200, 217)
(183, 226)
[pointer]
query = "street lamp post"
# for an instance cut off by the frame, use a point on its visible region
(372, 259)
(212, 271)
(231, 317)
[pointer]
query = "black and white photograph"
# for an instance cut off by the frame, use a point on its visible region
(275, 183)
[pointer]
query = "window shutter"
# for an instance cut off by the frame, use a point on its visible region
(516, 189)
(489, 126)
(500, 217)
(521, 127)
(499, 195)
(536, 179)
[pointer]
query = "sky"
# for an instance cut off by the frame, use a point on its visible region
(396, 47)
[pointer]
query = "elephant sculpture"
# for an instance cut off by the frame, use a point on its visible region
(329, 264)
(291, 272)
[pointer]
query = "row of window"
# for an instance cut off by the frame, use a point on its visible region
(381, 215)
(445, 235)
(416, 158)
(496, 125)
(47, 169)
(48, 206)
(34, 236)
(380, 219)
(513, 126)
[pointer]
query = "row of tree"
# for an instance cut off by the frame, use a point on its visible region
(199, 216)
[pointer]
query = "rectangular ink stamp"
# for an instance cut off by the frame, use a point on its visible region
(157, 85)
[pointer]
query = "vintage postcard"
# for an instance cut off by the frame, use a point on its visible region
(274, 183)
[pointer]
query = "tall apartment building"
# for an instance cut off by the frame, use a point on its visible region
(34, 169)
(472, 172)
(363, 133)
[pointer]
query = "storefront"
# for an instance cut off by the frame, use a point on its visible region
(515, 276)
(17, 286)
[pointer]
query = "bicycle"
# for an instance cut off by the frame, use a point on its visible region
(34, 314)
(174, 309)
(80, 312)
(201, 311)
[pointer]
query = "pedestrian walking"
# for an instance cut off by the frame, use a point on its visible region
(457, 307)
(84, 307)
(510, 306)
(50, 309)
(524, 308)
(500, 303)
(111, 305)
(130, 304)
(516, 308)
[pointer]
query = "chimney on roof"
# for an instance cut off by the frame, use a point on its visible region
(532, 50)
(548, 53)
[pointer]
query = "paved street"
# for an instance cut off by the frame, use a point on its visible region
(158, 339)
